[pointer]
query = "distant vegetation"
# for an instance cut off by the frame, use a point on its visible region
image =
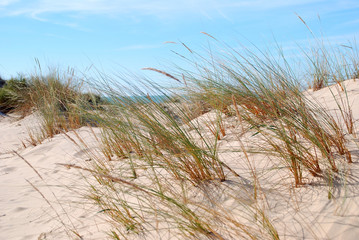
(60, 100)
(13, 94)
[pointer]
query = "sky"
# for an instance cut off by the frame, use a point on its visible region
(113, 35)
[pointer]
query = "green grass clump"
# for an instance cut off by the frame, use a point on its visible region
(268, 96)
(155, 135)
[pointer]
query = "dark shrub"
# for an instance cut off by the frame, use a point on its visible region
(2, 82)
(13, 94)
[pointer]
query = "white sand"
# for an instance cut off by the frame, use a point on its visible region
(25, 214)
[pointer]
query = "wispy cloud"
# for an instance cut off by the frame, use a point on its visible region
(158, 7)
(50, 35)
(46, 10)
(352, 22)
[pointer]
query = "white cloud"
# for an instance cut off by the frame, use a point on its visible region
(6, 2)
(43, 9)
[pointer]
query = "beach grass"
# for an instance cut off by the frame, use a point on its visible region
(161, 170)
(169, 156)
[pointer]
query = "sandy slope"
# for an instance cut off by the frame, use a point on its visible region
(24, 214)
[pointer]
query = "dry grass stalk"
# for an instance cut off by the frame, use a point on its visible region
(162, 72)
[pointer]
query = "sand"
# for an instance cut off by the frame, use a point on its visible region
(48, 203)
(24, 213)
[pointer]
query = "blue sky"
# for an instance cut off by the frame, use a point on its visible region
(131, 34)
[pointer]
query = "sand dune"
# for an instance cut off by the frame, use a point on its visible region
(26, 214)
